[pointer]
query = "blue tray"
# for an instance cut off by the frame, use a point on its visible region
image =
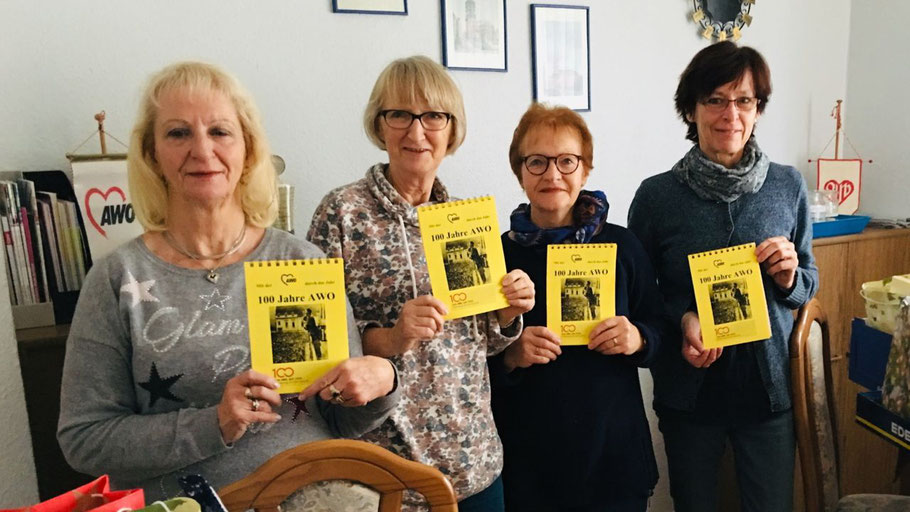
(841, 225)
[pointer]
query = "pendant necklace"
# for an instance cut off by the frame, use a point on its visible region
(211, 273)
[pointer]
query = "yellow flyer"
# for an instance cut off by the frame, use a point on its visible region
(464, 255)
(298, 319)
(581, 289)
(730, 296)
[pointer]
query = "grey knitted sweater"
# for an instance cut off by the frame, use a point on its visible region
(672, 222)
(150, 350)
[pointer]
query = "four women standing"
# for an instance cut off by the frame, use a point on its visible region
(571, 419)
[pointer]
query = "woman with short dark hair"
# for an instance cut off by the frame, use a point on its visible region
(725, 192)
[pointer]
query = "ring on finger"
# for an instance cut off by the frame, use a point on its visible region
(255, 404)
(248, 394)
(339, 399)
(615, 342)
(334, 391)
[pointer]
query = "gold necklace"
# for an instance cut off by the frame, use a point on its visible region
(211, 273)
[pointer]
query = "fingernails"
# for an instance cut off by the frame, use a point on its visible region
(274, 385)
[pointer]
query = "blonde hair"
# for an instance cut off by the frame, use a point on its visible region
(257, 190)
(413, 80)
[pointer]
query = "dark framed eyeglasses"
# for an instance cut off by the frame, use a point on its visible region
(402, 119)
(718, 104)
(566, 163)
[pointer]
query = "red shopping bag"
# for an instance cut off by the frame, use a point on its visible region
(95, 496)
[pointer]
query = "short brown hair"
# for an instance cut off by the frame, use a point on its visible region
(411, 80)
(539, 115)
(714, 66)
(258, 186)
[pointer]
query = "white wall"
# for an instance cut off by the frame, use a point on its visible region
(878, 116)
(311, 72)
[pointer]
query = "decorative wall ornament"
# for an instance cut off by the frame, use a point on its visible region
(722, 19)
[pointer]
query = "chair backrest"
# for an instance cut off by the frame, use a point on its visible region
(339, 459)
(813, 407)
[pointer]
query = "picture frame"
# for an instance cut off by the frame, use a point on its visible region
(474, 35)
(399, 7)
(561, 55)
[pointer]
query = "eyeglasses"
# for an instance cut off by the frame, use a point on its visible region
(402, 119)
(566, 163)
(718, 104)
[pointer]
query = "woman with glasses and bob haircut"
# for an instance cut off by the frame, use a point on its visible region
(571, 418)
(726, 192)
(415, 113)
(156, 382)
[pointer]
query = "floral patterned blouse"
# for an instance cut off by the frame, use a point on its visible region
(443, 418)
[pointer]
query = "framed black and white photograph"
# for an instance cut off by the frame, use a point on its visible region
(474, 35)
(560, 55)
(371, 6)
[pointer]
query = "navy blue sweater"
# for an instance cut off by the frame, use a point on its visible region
(672, 222)
(574, 430)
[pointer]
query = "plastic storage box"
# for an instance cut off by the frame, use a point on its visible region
(869, 349)
(841, 225)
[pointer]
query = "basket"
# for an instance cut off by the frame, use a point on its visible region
(882, 306)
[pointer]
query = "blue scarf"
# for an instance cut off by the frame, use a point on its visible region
(588, 217)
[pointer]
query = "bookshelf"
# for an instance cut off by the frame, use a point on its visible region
(44, 246)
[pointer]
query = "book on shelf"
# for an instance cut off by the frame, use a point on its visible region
(43, 246)
(581, 289)
(297, 319)
(730, 296)
(464, 255)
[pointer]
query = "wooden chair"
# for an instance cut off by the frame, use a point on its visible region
(815, 422)
(338, 459)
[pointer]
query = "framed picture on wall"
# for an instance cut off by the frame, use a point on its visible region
(560, 55)
(474, 35)
(371, 6)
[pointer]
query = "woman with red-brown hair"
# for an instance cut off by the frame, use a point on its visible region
(571, 418)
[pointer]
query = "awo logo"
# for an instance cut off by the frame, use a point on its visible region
(283, 372)
(111, 214)
(718, 263)
(458, 298)
(453, 217)
(576, 258)
(288, 279)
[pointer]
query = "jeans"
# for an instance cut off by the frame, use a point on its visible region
(487, 500)
(764, 454)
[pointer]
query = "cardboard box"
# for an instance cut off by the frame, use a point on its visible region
(871, 414)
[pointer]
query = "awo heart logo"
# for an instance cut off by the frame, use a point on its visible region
(104, 195)
(844, 189)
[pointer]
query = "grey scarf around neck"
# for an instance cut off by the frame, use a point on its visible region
(714, 182)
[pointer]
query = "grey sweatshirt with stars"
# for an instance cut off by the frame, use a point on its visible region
(150, 350)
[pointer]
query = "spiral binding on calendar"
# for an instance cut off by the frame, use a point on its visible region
(721, 251)
(567, 247)
(292, 263)
(450, 204)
